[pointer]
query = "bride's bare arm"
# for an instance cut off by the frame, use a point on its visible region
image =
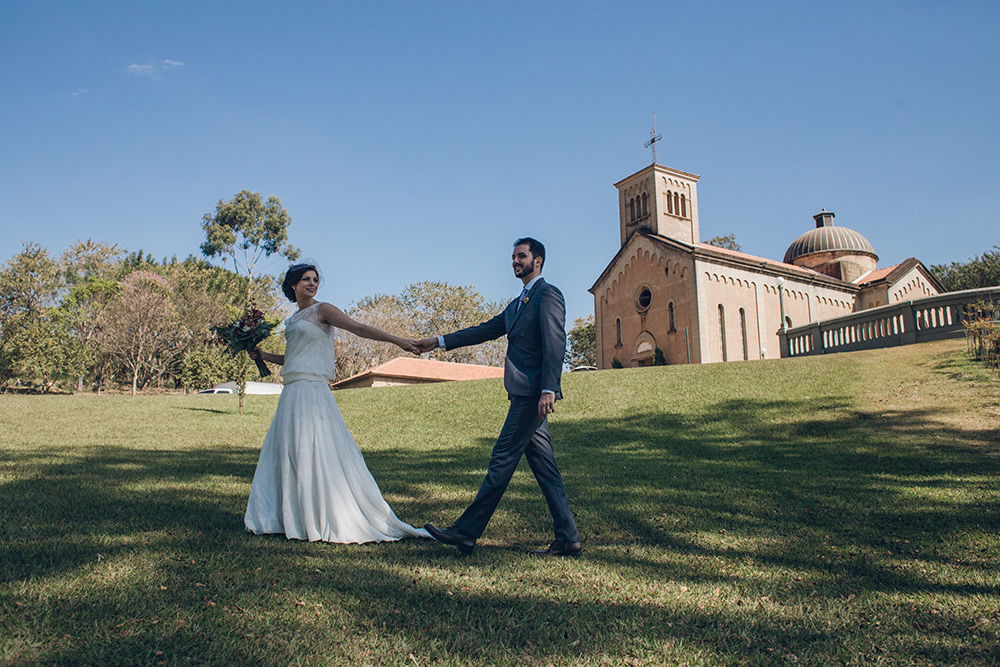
(330, 314)
(267, 356)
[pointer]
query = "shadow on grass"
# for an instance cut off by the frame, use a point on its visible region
(212, 410)
(853, 501)
(746, 468)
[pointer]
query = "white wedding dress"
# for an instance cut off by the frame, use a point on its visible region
(311, 481)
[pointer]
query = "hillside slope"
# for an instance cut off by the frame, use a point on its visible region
(830, 510)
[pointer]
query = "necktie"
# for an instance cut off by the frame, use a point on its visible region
(520, 299)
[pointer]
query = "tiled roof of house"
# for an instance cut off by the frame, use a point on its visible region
(877, 274)
(426, 369)
(893, 274)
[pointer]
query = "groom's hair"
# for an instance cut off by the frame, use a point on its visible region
(536, 248)
(292, 278)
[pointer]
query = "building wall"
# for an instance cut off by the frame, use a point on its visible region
(668, 276)
(913, 285)
(382, 381)
(734, 290)
(873, 297)
(753, 333)
(695, 288)
(660, 199)
(378, 381)
(839, 264)
(637, 193)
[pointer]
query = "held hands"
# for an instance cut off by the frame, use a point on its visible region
(416, 346)
(426, 345)
(408, 345)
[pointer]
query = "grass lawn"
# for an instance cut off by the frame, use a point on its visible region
(842, 509)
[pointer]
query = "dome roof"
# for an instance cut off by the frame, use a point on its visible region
(827, 238)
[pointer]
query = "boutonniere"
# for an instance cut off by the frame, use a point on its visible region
(524, 301)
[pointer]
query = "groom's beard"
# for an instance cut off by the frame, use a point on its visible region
(523, 271)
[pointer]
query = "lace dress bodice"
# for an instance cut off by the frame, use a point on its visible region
(308, 347)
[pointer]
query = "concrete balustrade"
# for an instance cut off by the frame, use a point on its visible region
(916, 321)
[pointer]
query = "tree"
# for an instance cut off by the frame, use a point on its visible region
(204, 296)
(581, 348)
(727, 241)
(90, 260)
(978, 272)
(138, 324)
(247, 230)
(53, 314)
(206, 366)
(436, 308)
(421, 310)
(30, 282)
(29, 285)
(89, 269)
(46, 351)
(354, 354)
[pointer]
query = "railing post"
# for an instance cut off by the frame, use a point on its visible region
(909, 316)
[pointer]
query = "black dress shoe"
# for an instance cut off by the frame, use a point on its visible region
(560, 548)
(452, 536)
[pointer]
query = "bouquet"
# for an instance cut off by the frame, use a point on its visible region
(245, 334)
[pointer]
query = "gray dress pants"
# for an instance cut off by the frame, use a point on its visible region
(523, 433)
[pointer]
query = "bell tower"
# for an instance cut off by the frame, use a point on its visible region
(659, 200)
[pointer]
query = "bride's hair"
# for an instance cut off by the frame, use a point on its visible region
(294, 275)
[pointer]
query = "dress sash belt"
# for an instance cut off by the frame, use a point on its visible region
(304, 377)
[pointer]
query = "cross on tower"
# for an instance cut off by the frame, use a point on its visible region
(654, 137)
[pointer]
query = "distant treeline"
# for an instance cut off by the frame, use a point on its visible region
(100, 317)
(982, 271)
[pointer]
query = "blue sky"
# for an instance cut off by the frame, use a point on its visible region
(415, 141)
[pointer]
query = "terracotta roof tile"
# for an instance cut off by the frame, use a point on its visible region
(877, 274)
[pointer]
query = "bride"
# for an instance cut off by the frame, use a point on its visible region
(311, 481)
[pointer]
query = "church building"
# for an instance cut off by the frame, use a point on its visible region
(665, 297)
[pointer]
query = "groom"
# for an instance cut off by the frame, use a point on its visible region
(535, 326)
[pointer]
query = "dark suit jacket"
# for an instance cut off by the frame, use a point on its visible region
(536, 341)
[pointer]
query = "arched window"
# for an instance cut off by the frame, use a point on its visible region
(722, 331)
(631, 206)
(684, 212)
(618, 331)
(670, 312)
(670, 202)
(677, 204)
(645, 204)
(743, 332)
